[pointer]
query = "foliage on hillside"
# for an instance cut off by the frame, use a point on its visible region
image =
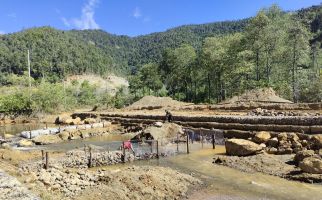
(53, 54)
(197, 63)
(275, 50)
(56, 97)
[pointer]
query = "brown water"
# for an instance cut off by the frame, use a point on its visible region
(221, 182)
(226, 183)
(110, 142)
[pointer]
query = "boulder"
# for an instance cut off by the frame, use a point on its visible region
(107, 124)
(272, 150)
(61, 119)
(282, 137)
(319, 152)
(8, 136)
(262, 137)
(273, 142)
(311, 165)
(89, 121)
(69, 121)
(85, 134)
(158, 124)
(304, 143)
(25, 143)
(284, 150)
(293, 137)
(75, 135)
(5, 146)
(64, 135)
(316, 142)
(168, 130)
(47, 139)
(241, 147)
(301, 155)
(76, 121)
(296, 144)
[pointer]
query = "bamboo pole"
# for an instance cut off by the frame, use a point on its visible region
(47, 160)
(157, 149)
(188, 144)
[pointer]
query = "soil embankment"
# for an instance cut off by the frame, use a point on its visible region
(277, 165)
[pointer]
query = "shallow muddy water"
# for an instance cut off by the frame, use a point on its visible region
(226, 183)
(16, 129)
(220, 182)
(109, 142)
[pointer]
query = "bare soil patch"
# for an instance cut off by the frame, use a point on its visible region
(152, 102)
(263, 95)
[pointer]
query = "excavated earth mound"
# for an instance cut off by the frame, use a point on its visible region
(263, 95)
(152, 102)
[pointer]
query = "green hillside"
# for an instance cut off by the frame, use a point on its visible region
(55, 53)
(195, 63)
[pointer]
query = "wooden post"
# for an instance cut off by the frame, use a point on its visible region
(151, 146)
(157, 149)
(90, 157)
(46, 125)
(177, 143)
(42, 155)
(123, 145)
(213, 141)
(29, 132)
(187, 143)
(201, 141)
(47, 160)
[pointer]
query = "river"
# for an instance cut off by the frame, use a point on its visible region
(226, 183)
(220, 182)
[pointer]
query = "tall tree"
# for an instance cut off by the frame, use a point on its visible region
(298, 48)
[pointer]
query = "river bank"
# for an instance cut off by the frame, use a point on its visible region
(170, 175)
(277, 165)
(74, 182)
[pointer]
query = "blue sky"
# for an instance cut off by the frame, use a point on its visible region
(129, 17)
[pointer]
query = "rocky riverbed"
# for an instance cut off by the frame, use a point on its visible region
(287, 155)
(11, 188)
(134, 182)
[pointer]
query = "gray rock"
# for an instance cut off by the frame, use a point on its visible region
(240, 147)
(311, 165)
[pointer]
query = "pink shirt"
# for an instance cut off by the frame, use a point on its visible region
(127, 145)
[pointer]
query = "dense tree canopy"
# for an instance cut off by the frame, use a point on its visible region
(197, 63)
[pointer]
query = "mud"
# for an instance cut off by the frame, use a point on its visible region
(277, 165)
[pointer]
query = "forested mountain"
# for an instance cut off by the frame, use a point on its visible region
(192, 62)
(274, 49)
(55, 53)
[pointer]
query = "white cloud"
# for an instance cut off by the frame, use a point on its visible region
(2, 32)
(137, 13)
(12, 15)
(86, 21)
